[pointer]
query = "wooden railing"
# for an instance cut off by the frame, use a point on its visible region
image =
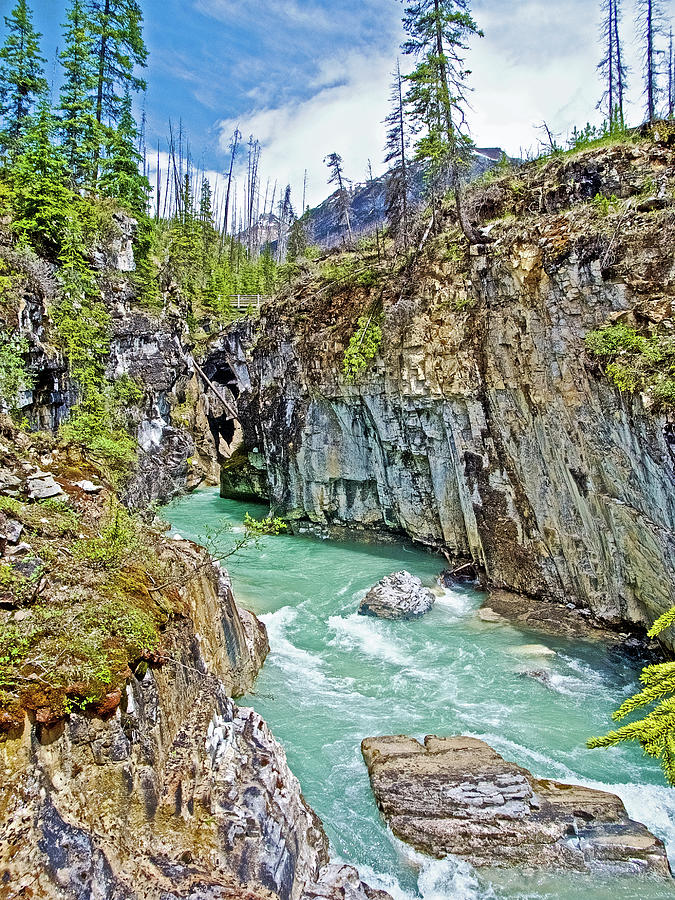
(244, 301)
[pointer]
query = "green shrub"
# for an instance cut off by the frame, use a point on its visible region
(363, 346)
(260, 527)
(114, 546)
(606, 205)
(13, 374)
(637, 362)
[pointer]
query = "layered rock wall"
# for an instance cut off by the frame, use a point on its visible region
(178, 793)
(482, 426)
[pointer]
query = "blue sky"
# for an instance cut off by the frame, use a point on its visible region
(310, 76)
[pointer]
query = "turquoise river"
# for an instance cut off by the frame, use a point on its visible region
(333, 678)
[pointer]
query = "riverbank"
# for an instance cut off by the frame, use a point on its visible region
(333, 678)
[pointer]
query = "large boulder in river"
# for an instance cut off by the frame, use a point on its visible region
(458, 796)
(398, 596)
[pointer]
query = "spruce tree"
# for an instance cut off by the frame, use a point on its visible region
(79, 129)
(650, 28)
(655, 731)
(120, 174)
(438, 31)
(117, 27)
(22, 81)
(337, 177)
(396, 152)
(297, 240)
(42, 203)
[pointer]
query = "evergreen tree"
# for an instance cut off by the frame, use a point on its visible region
(22, 81)
(117, 27)
(120, 175)
(650, 27)
(655, 732)
(611, 67)
(42, 203)
(438, 31)
(396, 152)
(297, 240)
(337, 177)
(79, 128)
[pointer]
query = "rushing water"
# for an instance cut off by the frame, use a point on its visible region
(334, 677)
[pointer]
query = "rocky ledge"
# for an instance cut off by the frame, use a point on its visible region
(397, 596)
(458, 796)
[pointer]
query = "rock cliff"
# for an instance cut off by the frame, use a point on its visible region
(482, 426)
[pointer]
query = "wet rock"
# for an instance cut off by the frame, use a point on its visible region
(340, 882)
(467, 573)
(532, 650)
(485, 614)
(548, 618)
(458, 796)
(397, 596)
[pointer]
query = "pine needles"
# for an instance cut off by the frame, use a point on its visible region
(655, 732)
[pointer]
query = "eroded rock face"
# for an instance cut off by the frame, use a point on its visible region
(397, 596)
(482, 426)
(178, 793)
(458, 796)
(341, 882)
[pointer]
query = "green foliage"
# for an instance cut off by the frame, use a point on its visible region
(606, 205)
(13, 374)
(22, 80)
(363, 346)
(438, 32)
(271, 525)
(120, 176)
(297, 240)
(637, 362)
(117, 28)
(207, 268)
(40, 199)
(655, 732)
(78, 126)
(114, 545)
(349, 271)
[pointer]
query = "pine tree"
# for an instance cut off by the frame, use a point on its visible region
(22, 81)
(438, 31)
(396, 152)
(297, 240)
(79, 128)
(42, 203)
(650, 27)
(120, 174)
(117, 26)
(655, 732)
(337, 177)
(611, 67)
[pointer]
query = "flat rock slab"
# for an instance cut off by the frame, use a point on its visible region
(545, 617)
(397, 596)
(43, 487)
(459, 796)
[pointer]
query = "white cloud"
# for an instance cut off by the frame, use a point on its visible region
(344, 117)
